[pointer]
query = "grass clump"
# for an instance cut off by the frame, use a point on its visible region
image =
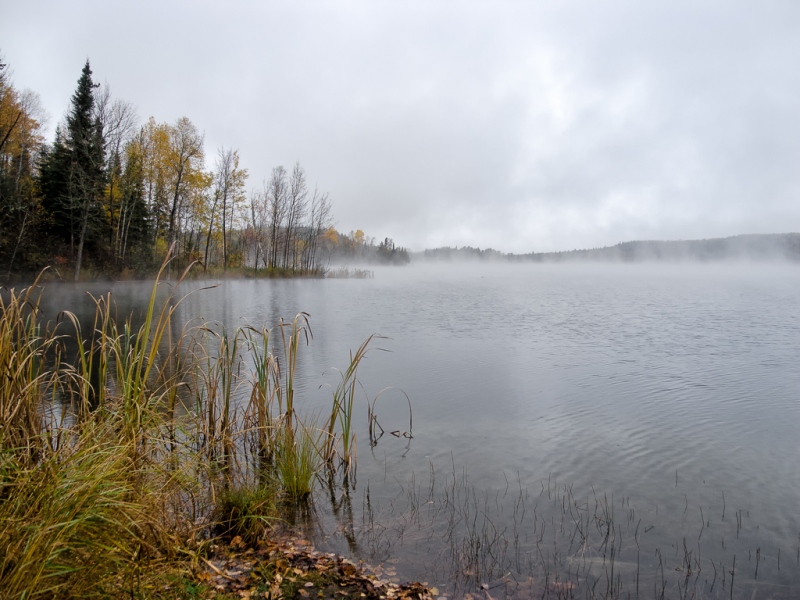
(298, 459)
(247, 512)
(72, 521)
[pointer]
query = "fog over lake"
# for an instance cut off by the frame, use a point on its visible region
(667, 394)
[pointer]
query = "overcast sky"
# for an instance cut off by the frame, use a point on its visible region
(522, 126)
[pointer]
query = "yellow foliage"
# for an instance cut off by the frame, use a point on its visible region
(332, 236)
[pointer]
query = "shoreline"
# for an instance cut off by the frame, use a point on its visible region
(288, 566)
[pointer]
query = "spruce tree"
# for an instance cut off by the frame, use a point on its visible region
(74, 174)
(54, 179)
(85, 137)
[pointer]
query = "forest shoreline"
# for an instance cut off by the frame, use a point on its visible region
(111, 196)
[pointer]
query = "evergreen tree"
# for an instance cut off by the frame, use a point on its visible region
(74, 175)
(54, 181)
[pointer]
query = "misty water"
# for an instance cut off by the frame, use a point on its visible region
(576, 428)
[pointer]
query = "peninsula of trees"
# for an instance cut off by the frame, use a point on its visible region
(109, 196)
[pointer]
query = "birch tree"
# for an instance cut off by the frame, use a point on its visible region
(276, 196)
(184, 163)
(119, 122)
(229, 182)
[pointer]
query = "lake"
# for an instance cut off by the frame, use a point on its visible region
(578, 430)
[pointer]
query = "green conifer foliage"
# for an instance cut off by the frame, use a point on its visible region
(73, 177)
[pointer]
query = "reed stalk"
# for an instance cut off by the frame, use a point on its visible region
(342, 410)
(265, 389)
(299, 329)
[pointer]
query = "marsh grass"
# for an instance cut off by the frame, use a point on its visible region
(264, 394)
(155, 439)
(298, 459)
(24, 350)
(74, 519)
(247, 511)
(344, 395)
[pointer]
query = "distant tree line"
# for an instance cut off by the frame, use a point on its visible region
(778, 246)
(110, 196)
(446, 253)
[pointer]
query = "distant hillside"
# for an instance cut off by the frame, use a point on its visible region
(759, 247)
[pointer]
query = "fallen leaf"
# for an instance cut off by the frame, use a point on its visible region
(237, 542)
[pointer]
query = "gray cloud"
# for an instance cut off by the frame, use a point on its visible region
(520, 126)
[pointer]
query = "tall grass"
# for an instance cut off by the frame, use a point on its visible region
(265, 389)
(24, 350)
(299, 330)
(342, 410)
(157, 437)
(298, 459)
(72, 522)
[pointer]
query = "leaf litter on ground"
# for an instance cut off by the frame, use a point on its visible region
(289, 567)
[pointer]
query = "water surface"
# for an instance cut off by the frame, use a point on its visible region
(665, 394)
